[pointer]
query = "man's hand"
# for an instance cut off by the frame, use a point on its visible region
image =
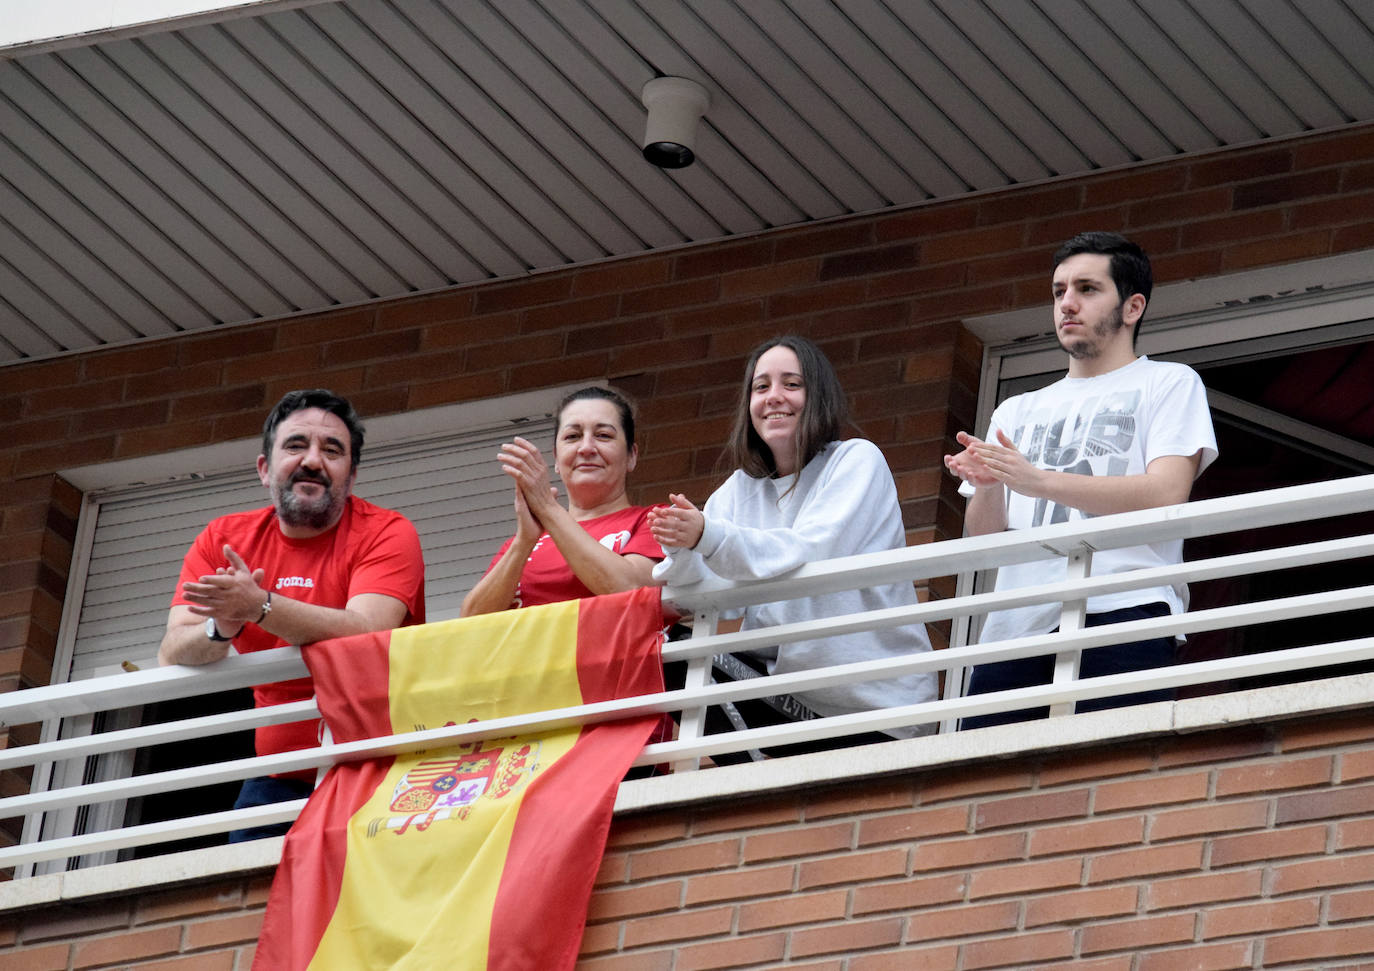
(185, 640)
(986, 511)
(1004, 463)
(1167, 480)
(968, 465)
(232, 595)
(679, 525)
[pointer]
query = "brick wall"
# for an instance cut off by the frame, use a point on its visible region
(38, 517)
(206, 927)
(883, 295)
(1244, 848)
(1248, 848)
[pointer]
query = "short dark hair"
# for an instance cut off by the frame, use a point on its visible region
(1130, 267)
(325, 400)
(594, 392)
(824, 414)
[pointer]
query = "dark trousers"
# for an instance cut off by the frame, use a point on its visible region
(1025, 672)
(263, 791)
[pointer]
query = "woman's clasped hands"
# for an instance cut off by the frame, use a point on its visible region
(678, 525)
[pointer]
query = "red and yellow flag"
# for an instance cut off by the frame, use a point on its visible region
(478, 857)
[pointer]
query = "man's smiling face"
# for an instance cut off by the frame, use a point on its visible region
(310, 471)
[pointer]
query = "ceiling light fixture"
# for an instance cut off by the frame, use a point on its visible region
(675, 107)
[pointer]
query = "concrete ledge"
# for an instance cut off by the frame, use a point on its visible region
(1001, 742)
(1304, 699)
(1322, 696)
(215, 862)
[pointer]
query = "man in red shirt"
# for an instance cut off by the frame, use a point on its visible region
(317, 563)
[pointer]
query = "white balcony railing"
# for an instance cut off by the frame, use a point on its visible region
(1075, 541)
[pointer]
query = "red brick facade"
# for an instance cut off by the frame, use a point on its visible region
(1246, 848)
(883, 294)
(1250, 848)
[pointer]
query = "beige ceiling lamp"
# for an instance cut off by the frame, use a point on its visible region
(675, 107)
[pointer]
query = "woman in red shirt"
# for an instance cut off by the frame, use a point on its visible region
(599, 543)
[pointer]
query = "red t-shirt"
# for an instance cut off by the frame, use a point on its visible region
(547, 578)
(371, 550)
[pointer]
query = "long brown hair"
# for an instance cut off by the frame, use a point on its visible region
(824, 412)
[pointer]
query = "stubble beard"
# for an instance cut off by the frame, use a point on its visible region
(1086, 349)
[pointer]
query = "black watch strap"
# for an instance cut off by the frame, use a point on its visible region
(212, 631)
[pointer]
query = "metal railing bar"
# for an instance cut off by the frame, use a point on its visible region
(1131, 682)
(160, 684)
(1197, 570)
(1250, 511)
(80, 697)
(146, 735)
(1201, 672)
(534, 722)
(692, 721)
(154, 684)
(1205, 517)
(173, 829)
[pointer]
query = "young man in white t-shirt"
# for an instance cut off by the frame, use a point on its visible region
(1119, 432)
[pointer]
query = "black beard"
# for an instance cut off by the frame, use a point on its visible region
(295, 510)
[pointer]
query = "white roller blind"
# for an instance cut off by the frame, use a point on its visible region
(450, 487)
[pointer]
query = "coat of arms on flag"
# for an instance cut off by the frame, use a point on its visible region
(480, 856)
(438, 789)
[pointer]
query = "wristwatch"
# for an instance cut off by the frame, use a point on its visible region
(212, 632)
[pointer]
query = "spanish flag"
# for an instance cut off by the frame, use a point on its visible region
(475, 857)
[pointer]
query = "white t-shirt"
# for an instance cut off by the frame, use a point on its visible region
(1112, 424)
(844, 502)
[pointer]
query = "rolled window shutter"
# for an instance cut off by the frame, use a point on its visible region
(450, 487)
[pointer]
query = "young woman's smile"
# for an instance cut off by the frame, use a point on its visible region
(776, 398)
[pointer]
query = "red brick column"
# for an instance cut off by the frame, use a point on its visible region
(38, 518)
